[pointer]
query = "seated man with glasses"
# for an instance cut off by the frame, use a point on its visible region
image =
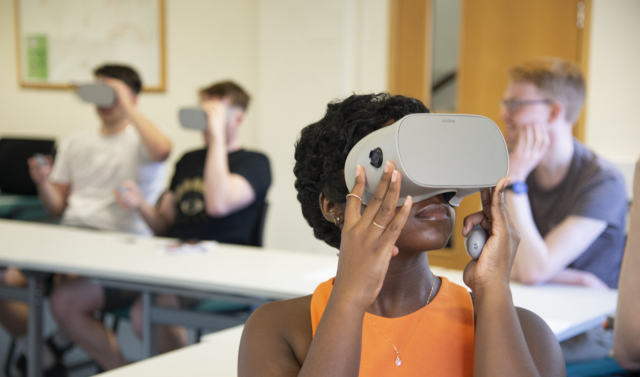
(568, 203)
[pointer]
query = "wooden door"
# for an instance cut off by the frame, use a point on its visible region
(495, 35)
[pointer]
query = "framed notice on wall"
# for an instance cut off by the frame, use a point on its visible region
(61, 42)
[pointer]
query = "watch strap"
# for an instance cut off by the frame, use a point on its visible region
(518, 187)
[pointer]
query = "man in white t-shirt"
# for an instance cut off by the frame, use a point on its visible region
(89, 169)
(91, 164)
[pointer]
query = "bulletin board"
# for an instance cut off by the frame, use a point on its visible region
(61, 42)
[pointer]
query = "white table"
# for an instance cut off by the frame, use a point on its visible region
(235, 273)
(568, 310)
(216, 355)
(238, 273)
(248, 271)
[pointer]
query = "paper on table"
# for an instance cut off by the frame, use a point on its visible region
(186, 248)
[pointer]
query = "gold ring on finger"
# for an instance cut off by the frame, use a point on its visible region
(379, 226)
(489, 218)
(355, 196)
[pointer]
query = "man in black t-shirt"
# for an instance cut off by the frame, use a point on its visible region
(194, 221)
(217, 193)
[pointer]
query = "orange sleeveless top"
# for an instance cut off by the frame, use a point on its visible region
(441, 345)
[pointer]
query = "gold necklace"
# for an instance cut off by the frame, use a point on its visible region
(398, 362)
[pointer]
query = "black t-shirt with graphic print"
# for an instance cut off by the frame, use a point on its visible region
(192, 221)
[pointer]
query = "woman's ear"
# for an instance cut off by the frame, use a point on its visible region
(332, 212)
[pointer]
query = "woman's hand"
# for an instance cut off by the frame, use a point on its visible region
(367, 248)
(494, 264)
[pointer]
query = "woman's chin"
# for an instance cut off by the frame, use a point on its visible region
(423, 245)
(415, 236)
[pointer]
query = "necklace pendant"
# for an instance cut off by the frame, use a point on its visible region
(398, 362)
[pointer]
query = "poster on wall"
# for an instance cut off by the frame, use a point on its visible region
(61, 42)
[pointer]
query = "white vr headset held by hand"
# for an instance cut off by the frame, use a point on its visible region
(100, 94)
(452, 154)
(196, 119)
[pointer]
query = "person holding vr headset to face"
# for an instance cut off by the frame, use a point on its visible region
(568, 203)
(80, 187)
(385, 313)
(91, 164)
(217, 192)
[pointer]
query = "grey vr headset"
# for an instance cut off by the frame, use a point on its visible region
(100, 94)
(452, 154)
(193, 118)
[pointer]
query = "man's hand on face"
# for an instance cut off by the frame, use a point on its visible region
(124, 94)
(216, 111)
(531, 145)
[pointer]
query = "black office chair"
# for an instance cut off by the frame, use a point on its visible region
(14, 172)
(258, 227)
(18, 192)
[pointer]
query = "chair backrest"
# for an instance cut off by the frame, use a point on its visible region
(14, 172)
(258, 228)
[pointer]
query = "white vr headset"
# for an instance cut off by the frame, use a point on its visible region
(196, 119)
(193, 118)
(100, 94)
(452, 154)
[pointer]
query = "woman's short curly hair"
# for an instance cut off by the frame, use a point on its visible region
(323, 147)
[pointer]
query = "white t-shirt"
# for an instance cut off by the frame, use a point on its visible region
(94, 165)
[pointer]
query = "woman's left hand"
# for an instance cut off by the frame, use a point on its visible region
(494, 264)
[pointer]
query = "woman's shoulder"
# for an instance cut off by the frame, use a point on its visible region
(289, 312)
(281, 327)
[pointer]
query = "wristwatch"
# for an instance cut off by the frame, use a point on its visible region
(518, 187)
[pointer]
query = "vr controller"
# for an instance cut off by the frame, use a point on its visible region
(100, 94)
(474, 241)
(452, 154)
(41, 159)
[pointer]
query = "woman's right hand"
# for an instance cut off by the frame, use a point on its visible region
(366, 249)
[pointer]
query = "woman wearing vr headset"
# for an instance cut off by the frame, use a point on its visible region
(386, 313)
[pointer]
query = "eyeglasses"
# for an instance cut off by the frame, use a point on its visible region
(512, 105)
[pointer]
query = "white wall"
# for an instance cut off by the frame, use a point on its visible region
(613, 93)
(310, 53)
